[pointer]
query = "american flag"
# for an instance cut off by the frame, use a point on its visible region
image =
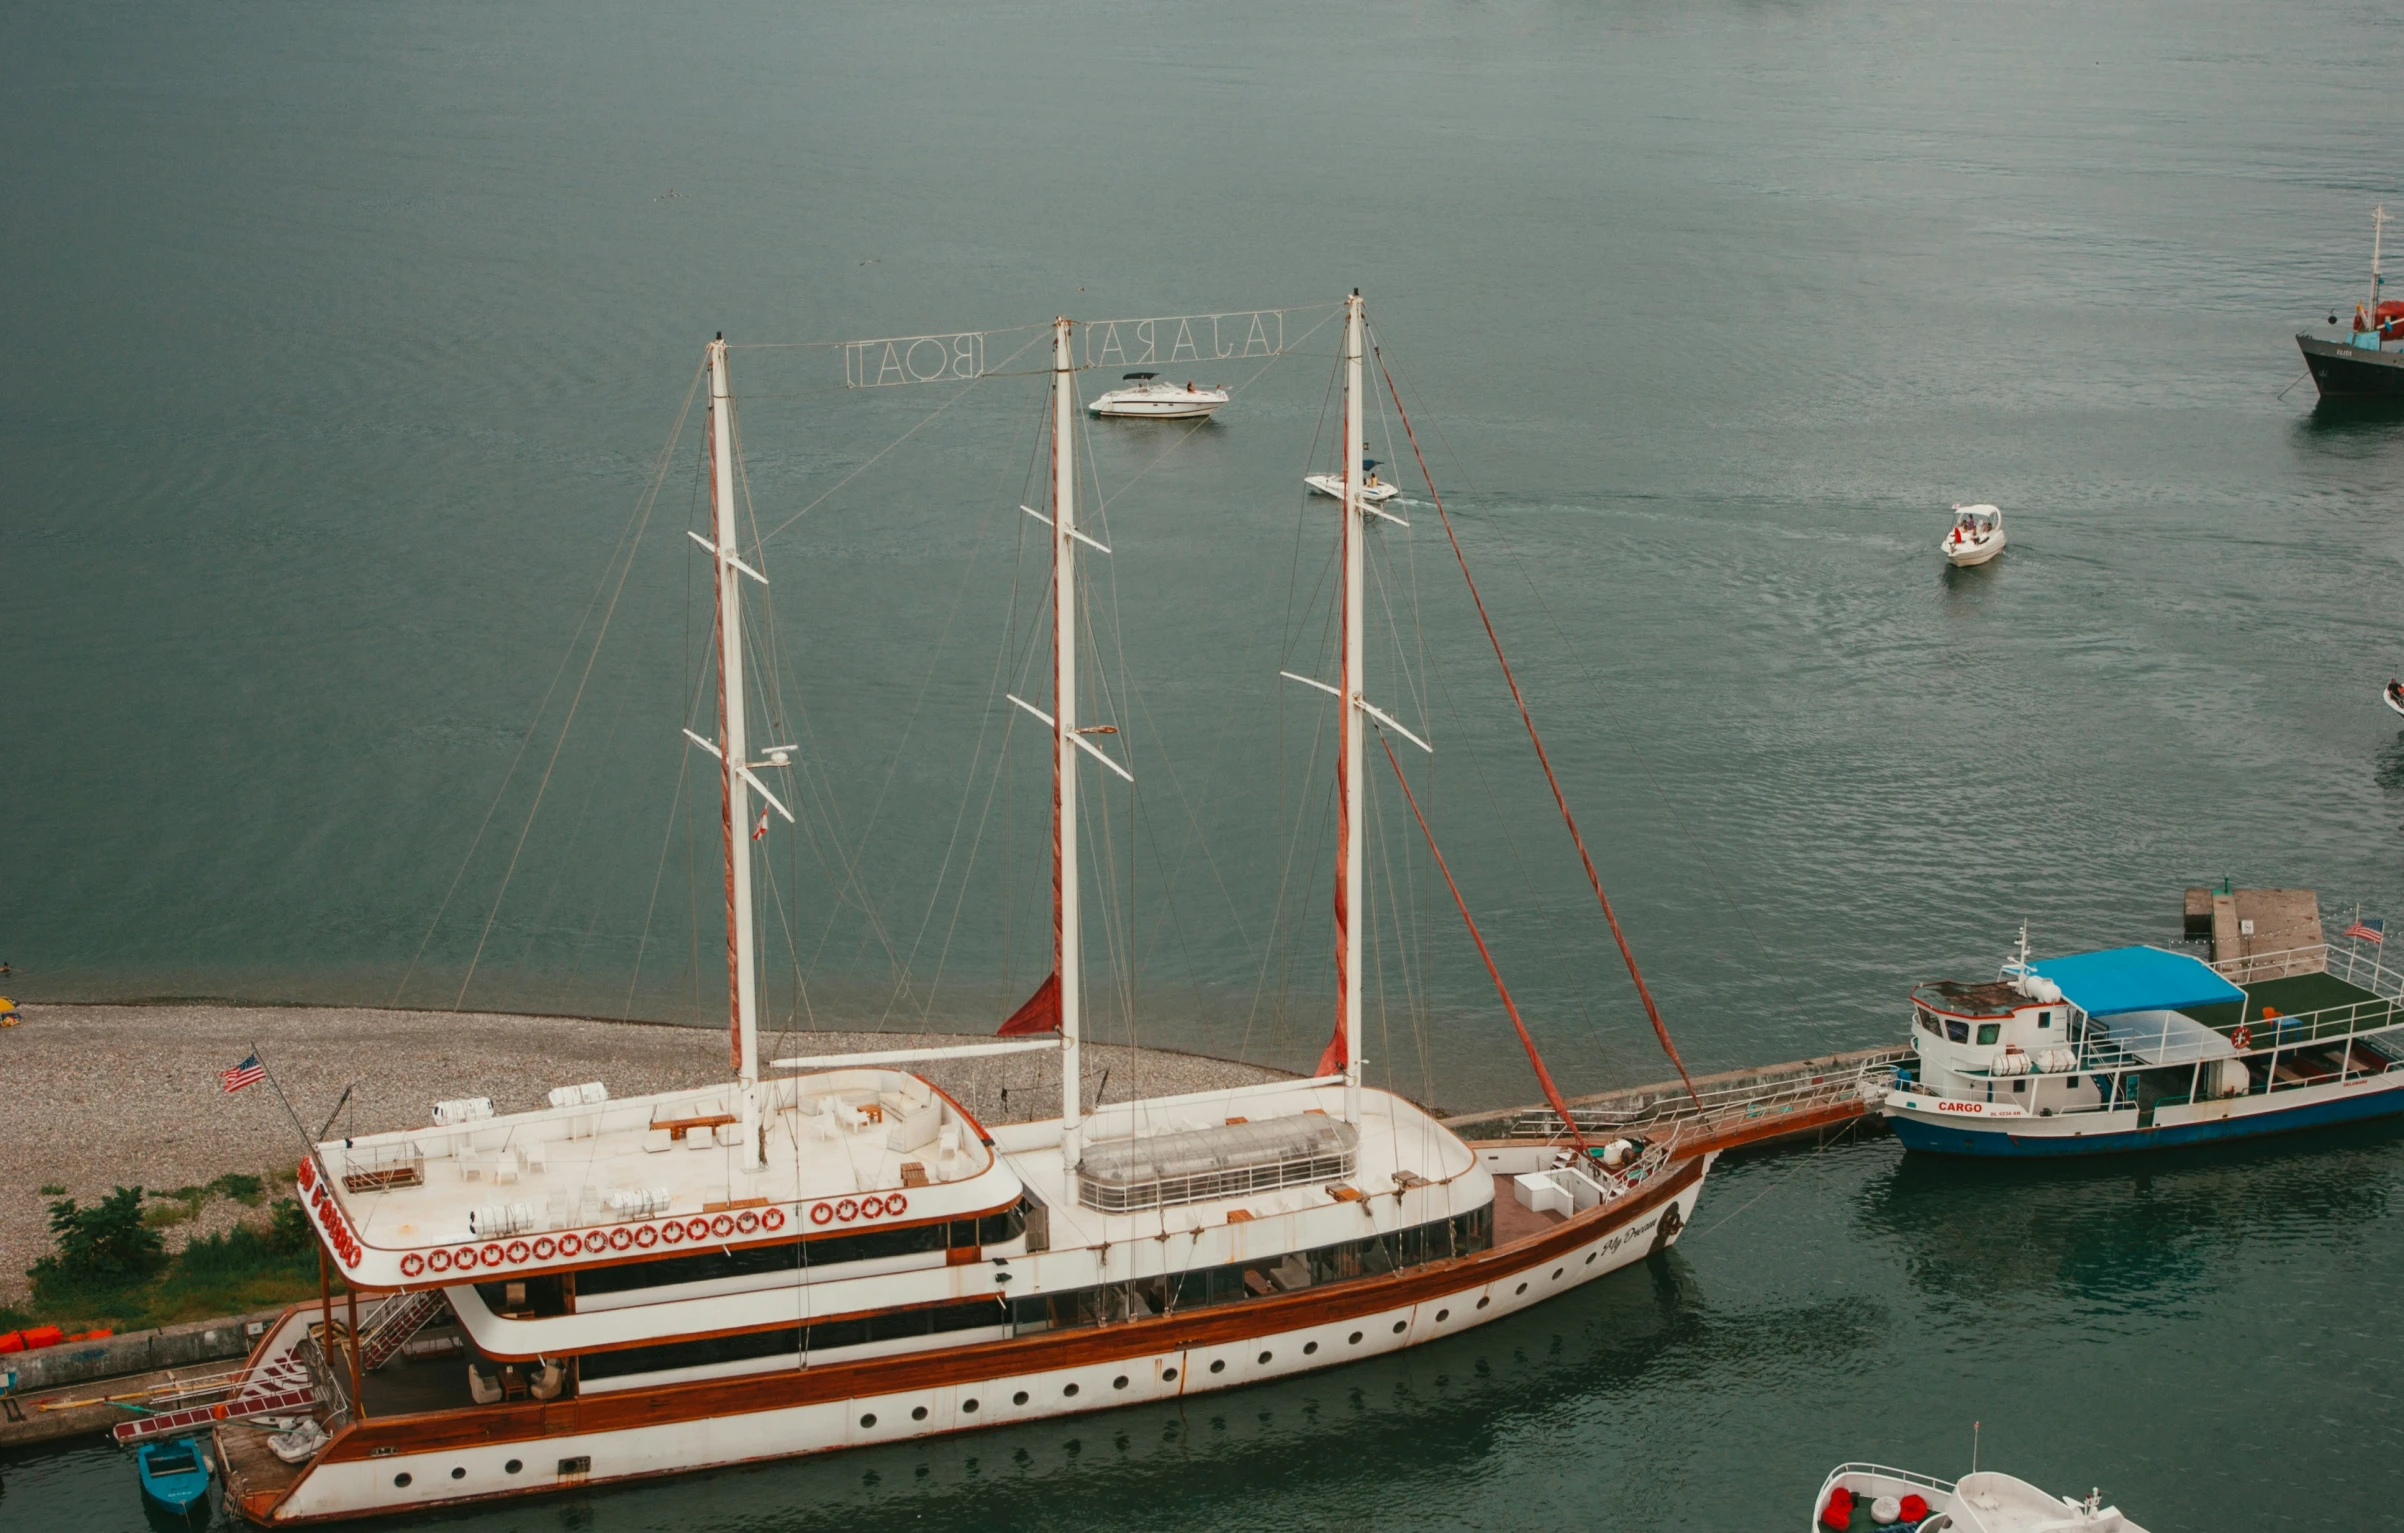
(248, 1073)
(2373, 930)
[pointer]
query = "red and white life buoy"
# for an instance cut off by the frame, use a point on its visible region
(872, 1207)
(413, 1264)
(620, 1239)
(671, 1232)
(647, 1236)
(774, 1219)
(519, 1250)
(746, 1222)
(440, 1261)
(722, 1226)
(307, 1175)
(492, 1255)
(570, 1245)
(2243, 1037)
(896, 1204)
(820, 1213)
(697, 1229)
(847, 1209)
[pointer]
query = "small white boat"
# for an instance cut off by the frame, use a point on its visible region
(1373, 489)
(1145, 397)
(2393, 695)
(1872, 1496)
(1976, 535)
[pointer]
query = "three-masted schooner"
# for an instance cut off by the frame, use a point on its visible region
(833, 1251)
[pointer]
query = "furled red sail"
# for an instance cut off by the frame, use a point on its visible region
(1039, 1014)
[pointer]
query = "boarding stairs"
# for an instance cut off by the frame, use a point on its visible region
(395, 1321)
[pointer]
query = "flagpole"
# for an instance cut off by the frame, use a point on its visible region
(307, 1144)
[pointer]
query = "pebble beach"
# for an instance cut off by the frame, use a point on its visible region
(109, 1095)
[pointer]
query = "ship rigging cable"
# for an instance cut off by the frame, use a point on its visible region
(1643, 992)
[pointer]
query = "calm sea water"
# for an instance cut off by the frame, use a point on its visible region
(345, 343)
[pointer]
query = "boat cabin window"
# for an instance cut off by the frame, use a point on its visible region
(526, 1298)
(1959, 1032)
(2045, 1019)
(1928, 1021)
(1988, 1032)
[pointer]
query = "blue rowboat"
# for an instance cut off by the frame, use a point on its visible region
(175, 1475)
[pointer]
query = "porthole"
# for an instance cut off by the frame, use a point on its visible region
(868, 1421)
(460, 1473)
(1309, 1347)
(1264, 1357)
(1556, 1274)
(1522, 1288)
(1019, 1399)
(1119, 1383)
(1590, 1258)
(968, 1407)
(1398, 1325)
(1072, 1389)
(401, 1480)
(513, 1466)
(1443, 1315)
(1354, 1338)
(1483, 1302)
(1168, 1375)
(919, 1414)
(1219, 1365)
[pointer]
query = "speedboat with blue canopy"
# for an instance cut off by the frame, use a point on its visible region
(2139, 1048)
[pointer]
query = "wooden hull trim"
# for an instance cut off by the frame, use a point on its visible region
(789, 1413)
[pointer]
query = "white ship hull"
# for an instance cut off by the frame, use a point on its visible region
(413, 1463)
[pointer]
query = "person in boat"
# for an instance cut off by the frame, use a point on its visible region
(2395, 690)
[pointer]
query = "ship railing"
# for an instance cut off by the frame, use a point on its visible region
(1889, 1472)
(1719, 1107)
(2362, 965)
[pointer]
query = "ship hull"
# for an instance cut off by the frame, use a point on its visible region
(1923, 1126)
(2343, 371)
(413, 1463)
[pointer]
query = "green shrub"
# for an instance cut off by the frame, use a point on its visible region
(106, 1246)
(53, 1190)
(249, 1191)
(289, 1232)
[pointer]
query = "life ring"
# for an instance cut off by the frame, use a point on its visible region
(412, 1264)
(646, 1237)
(569, 1245)
(544, 1247)
(2243, 1037)
(774, 1218)
(620, 1239)
(671, 1232)
(820, 1213)
(747, 1221)
(872, 1207)
(492, 1255)
(697, 1229)
(519, 1250)
(847, 1210)
(464, 1258)
(307, 1176)
(440, 1261)
(896, 1204)
(722, 1225)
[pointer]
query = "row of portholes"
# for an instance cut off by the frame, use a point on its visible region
(968, 1407)
(458, 1472)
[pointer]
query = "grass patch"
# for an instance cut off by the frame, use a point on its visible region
(251, 1266)
(53, 1190)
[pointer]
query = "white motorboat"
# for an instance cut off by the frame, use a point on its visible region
(1145, 397)
(1373, 489)
(1976, 535)
(2393, 696)
(1872, 1496)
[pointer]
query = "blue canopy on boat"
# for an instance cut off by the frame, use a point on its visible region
(2125, 979)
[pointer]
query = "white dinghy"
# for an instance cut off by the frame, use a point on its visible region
(1145, 397)
(1976, 535)
(1874, 1496)
(1374, 491)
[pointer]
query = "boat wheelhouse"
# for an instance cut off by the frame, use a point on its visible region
(830, 1251)
(2140, 1048)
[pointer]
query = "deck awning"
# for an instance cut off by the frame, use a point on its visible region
(2125, 979)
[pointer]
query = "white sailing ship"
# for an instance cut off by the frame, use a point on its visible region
(827, 1252)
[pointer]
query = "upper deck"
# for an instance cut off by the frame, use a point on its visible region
(841, 1151)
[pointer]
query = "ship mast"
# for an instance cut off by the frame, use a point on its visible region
(1068, 956)
(2378, 228)
(735, 774)
(1349, 888)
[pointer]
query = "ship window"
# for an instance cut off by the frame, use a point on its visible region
(1959, 1032)
(1928, 1021)
(1988, 1032)
(2019, 1085)
(2045, 1019)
